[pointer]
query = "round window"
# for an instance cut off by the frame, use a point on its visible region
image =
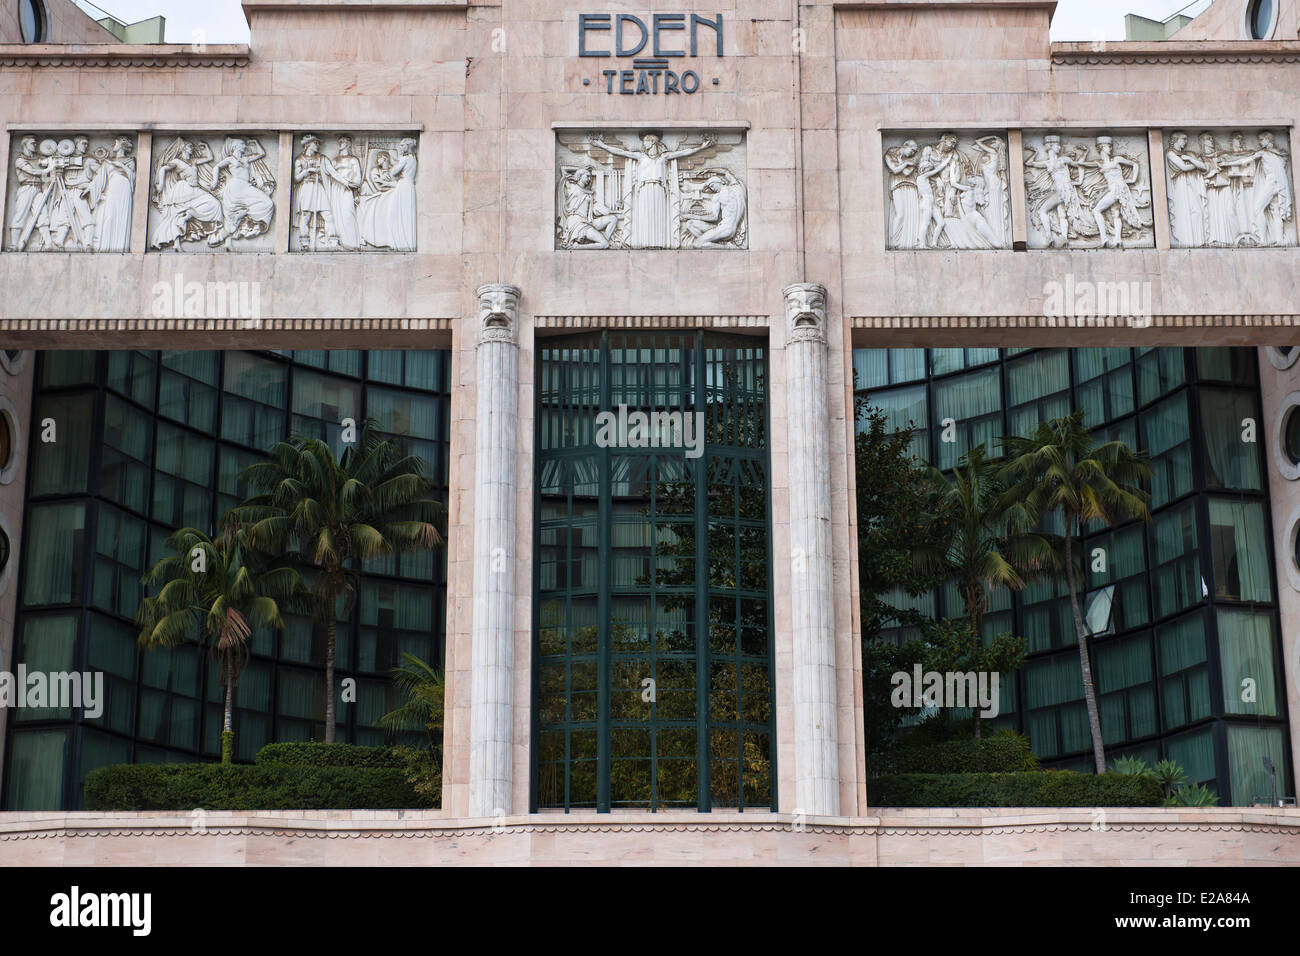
(1259, 19)
(7, 441)
(1291, 435)
(4, 550)
(31, 20)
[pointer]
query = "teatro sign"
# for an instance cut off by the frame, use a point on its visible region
(627, 38)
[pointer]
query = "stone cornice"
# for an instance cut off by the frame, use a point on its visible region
(226, 325)
(1172, 51)
(136, 55)
(1242, 322)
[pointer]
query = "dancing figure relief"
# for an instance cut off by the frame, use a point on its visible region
(1088, 192)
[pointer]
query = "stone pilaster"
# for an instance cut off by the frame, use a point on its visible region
(816, 753)
(491, 722)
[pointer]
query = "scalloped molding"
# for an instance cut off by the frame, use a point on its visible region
(109, 55)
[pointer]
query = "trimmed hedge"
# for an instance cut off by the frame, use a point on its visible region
(1042, 788)
(999, 753)
(329, 755)
(265, 786)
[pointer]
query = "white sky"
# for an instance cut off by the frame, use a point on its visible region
(222, 21)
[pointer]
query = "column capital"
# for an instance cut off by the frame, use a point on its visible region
(805, 312)
(498, 313)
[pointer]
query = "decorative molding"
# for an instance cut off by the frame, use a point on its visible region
(226, 325)
(1088, 53)
(431, 824)
(85, 56)
(1245, 322)
(651, 321)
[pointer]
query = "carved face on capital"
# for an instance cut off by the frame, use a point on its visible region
(805, 306)
(497, 308)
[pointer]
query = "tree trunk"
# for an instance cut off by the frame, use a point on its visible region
(978, 622)
(1085, 668)
(329, 676)
(228, 724)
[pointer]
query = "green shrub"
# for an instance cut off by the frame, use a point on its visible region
(1003, 752)
(1044, 788)
(243, 787)
(329, 755)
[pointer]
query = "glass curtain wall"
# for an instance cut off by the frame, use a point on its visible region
(1187, 659)
(148, 442)
(653, 646)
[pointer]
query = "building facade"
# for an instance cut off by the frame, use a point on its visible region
(587, 218)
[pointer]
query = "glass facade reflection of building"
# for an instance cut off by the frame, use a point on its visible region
(1186, 640)
(653, 656)
(149, 442)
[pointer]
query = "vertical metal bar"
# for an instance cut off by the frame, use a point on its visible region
(604, 520)
(702, 659)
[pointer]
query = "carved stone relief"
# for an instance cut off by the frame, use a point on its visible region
(649, 189)
(1229, 188)
(805, 311)
(354, 192)
(498, 312)
(70, 192)
(1088, 190)
(213, 192)
(947, 190)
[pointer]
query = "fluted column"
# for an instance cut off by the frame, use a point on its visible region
(816, 753)
(491, 722)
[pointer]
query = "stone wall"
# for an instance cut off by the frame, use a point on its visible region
(984, 837)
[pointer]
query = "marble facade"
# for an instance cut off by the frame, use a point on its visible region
(827, 112)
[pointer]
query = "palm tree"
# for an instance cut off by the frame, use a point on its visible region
(423, 687)
(1061, 470)
(337, 513)
(216, 591)
(976, 548)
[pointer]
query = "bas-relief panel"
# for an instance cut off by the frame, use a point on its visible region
(354, 192)
(1087, 189)
(947, 190)
(648, 189)
(213, 191)
(70, 192)
(1229, 187)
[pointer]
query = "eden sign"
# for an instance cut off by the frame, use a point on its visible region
(650, 48)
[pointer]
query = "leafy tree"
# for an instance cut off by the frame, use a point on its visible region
(972, 545)
(1062, 471)
(897, 517)
(216, 591)
(337, 513)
